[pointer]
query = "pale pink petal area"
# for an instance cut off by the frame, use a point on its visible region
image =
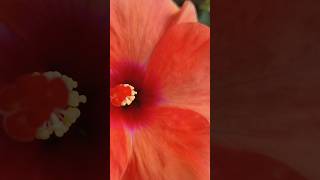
(188, 13)
(119, 152)
(175, 146)
(182, 61)
(136, 26)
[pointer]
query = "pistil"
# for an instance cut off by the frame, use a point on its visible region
(122, 95)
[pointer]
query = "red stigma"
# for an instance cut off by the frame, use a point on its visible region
(120, 93)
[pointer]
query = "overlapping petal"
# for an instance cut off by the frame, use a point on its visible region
(136, 26)
(182, 58)
(175, 146)
(186, 14)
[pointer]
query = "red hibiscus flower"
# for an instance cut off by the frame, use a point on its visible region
(159, 98)
(42, 36)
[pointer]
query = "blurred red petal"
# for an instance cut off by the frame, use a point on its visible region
(8, 98)
(18, 127)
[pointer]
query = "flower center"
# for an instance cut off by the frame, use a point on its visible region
(122, 95)
(39, 105)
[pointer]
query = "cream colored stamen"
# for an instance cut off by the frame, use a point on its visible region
(129, 99)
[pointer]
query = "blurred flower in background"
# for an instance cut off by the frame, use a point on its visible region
(68, 36)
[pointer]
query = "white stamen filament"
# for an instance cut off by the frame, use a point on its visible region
(129, 99)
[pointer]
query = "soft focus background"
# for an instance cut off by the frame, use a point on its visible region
(266, 89)
(203, 9)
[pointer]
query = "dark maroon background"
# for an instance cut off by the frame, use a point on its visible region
(70, 36)
(266, 103)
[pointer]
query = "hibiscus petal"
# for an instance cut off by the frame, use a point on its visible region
(188, 13)
(182, 61)
(136, 26)
(175, 146)
(119, 152)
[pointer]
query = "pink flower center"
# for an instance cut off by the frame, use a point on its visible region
(134, 94)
